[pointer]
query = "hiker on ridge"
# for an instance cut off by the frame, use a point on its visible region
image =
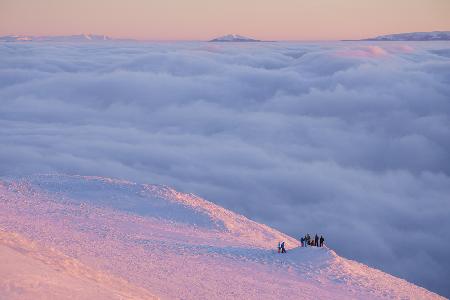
(316, 241)
(321, 241)
(283, 250)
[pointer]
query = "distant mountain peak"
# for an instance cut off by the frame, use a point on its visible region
(413, 36)
(57, 38)
(91, 37)
(234, 38)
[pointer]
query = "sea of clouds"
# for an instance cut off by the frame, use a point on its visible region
(350, 140)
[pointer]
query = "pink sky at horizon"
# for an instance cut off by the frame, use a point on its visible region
(205, 19)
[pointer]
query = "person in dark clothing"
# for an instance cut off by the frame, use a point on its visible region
(302, 241)
(321, 241)
(308, 239)
(316, 240)
(283, 250)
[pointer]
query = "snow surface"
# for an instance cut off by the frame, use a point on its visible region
(84, 237)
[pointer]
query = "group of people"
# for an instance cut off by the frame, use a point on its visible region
(308, 241)
(305, 241)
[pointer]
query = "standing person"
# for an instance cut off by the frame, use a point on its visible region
(283, 250)
(316, 240)
(321, 241)
(302, 241)
(279, 247)
(308, 239)
(305, 241)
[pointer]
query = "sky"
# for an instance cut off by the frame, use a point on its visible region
(349, 140)
(206, 19)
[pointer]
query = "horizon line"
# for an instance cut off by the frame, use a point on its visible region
(113, 37)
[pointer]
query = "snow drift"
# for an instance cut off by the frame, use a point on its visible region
(83, 237)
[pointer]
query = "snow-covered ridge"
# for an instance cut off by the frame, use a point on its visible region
(156, 201)
(130, 240)
(234, 38)
(414, 36)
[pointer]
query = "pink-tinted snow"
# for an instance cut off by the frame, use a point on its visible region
(123, 240)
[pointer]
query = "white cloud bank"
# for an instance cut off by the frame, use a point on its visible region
(351, 140)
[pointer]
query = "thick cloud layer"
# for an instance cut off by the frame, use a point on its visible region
(351, 140)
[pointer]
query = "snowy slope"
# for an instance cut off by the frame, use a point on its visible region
(115, 239)
(30, 271)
